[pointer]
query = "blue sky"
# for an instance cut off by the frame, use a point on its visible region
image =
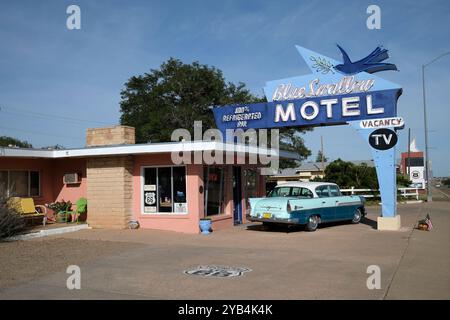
(47, 69)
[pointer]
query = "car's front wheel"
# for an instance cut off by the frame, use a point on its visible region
(313, 223)
(357, 216)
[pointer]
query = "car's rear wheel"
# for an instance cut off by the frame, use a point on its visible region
(313, 223)
(357, 216)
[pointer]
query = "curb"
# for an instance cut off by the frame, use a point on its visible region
(49, 232)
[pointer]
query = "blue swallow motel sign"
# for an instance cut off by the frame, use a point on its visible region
(334, 93)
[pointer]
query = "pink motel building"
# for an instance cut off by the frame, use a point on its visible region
(124, 181)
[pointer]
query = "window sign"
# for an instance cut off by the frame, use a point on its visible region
(150, 190)
(164, 190)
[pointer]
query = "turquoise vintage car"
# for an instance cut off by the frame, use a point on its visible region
(306, 203)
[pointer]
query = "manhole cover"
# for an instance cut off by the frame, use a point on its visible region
(216, 271)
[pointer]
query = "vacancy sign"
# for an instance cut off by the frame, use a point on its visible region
(396, 122)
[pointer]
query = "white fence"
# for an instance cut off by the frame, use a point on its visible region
(371, 193)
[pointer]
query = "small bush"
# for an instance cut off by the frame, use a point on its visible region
(11, 223)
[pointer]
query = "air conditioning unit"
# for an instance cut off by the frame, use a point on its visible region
(72, 178)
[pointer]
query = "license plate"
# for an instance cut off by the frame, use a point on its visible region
(267, 215)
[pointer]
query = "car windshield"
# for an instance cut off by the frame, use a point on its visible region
(297, 192)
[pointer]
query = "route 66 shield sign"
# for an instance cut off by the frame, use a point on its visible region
(150, 198)
(216, 271)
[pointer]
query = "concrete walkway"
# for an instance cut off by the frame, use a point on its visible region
(330, 263)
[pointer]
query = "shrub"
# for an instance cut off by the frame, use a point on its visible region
(11, 223)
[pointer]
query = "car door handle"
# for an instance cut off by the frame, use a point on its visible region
(323, 201)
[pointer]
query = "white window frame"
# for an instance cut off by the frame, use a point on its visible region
(141, 191)
(39, 195)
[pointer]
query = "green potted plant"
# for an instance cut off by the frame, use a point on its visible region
(61, 208)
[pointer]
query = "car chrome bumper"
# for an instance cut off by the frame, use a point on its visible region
(272, 220)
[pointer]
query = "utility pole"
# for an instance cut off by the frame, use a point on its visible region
(427, 158)
(321, 151)
(408, 165)
(425, 124)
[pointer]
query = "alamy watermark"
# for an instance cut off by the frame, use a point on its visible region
(374, 20)
(74, 280)
(73, 21)
(374, 280)
(240, 147)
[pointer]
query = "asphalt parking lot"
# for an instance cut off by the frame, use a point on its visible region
(330, 263)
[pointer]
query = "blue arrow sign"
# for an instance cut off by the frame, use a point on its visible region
(336, 92)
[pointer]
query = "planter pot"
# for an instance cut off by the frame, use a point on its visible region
(133, 224)
(205, 226)
(61, 217)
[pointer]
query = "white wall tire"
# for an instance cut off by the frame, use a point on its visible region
(357, 216)
(313, 223)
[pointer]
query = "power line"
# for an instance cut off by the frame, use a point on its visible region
(41, 133)
(52, 116)
(15, 115)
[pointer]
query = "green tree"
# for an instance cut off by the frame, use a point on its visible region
(403, 181)
(290, 140)
(319, 157)
(347, 175)
(342, 173)
(177, 94)
(6, 141)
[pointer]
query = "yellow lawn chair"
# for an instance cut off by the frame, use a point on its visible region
(27, 209)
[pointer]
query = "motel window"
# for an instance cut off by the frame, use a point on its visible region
(164, 190)
(214, 181)
(19, 183)
(3, 184)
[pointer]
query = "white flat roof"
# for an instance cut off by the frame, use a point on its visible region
(150, 148)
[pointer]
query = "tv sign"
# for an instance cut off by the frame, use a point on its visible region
(383, 139)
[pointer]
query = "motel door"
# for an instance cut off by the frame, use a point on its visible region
(237, 195)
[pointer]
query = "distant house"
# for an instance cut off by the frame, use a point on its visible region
(307, 171)
(413, 165)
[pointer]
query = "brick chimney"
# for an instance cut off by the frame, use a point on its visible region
(110, 179)
(110, 136)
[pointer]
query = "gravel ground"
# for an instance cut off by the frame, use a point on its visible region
(23, 261)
